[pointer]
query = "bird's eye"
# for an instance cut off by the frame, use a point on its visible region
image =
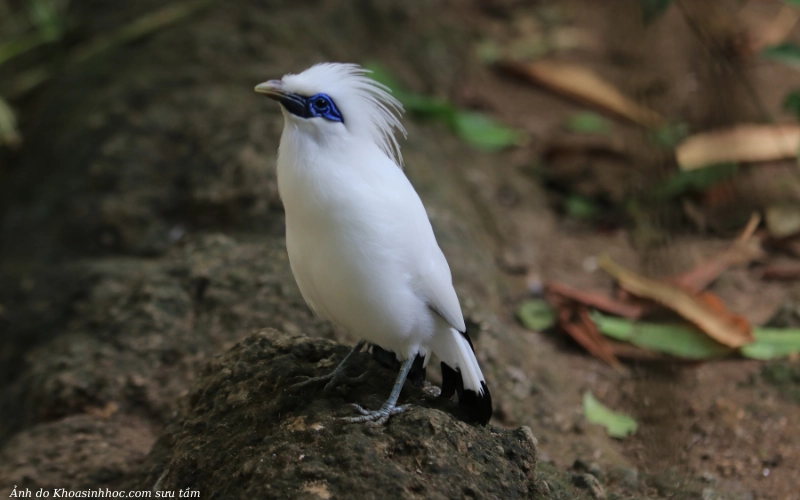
(320, 104)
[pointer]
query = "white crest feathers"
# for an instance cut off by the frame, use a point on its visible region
(368, 108)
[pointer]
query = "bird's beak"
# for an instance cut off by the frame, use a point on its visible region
(272, 89)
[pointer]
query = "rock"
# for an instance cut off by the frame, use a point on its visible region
(590, 483)
(76, 452)
(242, 433)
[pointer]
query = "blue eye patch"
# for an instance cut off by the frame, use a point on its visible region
(316, 106)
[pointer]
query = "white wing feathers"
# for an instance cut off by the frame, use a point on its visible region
(435, 286)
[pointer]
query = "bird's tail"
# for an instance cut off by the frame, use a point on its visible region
(461, 374)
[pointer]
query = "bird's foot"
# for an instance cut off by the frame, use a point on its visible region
(333, 379)
(375, 417)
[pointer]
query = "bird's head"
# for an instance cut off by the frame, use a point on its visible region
(331, 99)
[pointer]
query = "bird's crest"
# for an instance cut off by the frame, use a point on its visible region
(368, 108)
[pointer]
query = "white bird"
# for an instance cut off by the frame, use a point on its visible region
(360, 244)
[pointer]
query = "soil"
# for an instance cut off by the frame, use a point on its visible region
(142, 248)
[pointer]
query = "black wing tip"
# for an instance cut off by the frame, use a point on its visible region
(478, 407)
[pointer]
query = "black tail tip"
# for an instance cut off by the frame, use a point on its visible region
(477, 406)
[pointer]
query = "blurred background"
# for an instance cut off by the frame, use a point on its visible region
(615, 185)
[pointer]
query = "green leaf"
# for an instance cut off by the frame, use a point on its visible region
(483, 132)
(699, 180)
(670, 135)
(653, 9)
(46, 18)
(772, 343)
(475, 128)
(580, 207)
(536, 315)
(683, 341)
(9, 135)
(796, 3)
(414, 103)
(787, 53)
(792, 101)
(587, 122)
(617, 425)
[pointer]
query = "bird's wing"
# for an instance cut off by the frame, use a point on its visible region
(436, 287)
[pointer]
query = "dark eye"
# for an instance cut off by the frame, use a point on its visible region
(320, 104)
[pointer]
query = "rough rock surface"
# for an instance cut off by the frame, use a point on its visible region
(242, 433)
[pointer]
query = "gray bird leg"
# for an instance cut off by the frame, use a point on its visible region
(389, 408)
(337, 376)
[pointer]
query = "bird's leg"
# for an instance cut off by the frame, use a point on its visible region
(337, 376)
(389, 408)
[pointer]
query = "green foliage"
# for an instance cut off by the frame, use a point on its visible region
(46, 18)
(617, 425)
(483, 132)
(681, 340)
(580, 207)
(670, 135)
(653, 9)
(787, 53)
(587, 122)
(772, 343)
(477, 129)
(792, 102)
(536, 315)
(698, 181)
(8, 125)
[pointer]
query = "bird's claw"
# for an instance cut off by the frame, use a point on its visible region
(374, 417)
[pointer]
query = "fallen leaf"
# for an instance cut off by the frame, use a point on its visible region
(625, 350)
(693, 181)
(702, 310)
(583, 85)
(683, 341)
(557, 292)
(618, 425)
(744, 250)
(477, 129)
(485, 133)
(105, 412)
(536, 315)
(772, 343)
(784, 272)
(775, 32)
(743, 143)
(579, 325)
(783, 220)
(587, 122)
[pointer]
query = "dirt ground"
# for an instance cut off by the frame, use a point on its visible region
(142, 233)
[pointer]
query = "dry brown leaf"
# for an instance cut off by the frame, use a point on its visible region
(773, 32)
(785, 272)
(743, 143)
(593, 298)
(744, 250)
(783, 220)
(578, 324)
(582, 84)
(708, 314)
(105, 412)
